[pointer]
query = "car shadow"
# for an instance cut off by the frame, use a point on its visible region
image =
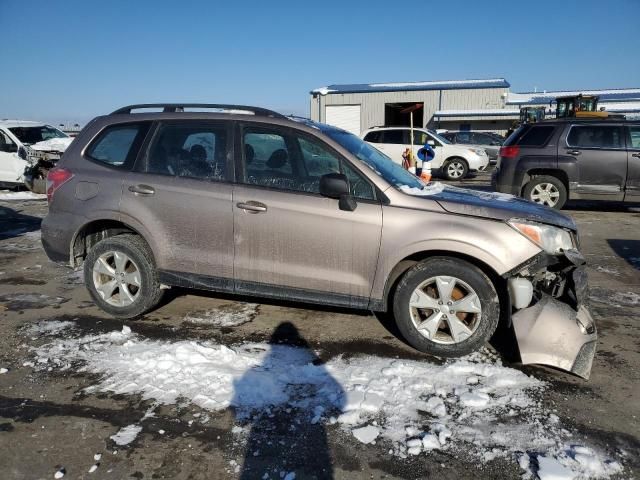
(600, 206)
(628, 250)
(15, 224)
(284, 402)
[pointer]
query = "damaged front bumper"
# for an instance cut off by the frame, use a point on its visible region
(557, 329)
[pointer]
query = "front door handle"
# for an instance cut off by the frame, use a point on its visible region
(637, 155)
(574, 152)
(145, 190)
(252, 206)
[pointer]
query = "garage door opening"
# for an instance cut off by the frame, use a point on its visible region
(346, 117)
(399, 114)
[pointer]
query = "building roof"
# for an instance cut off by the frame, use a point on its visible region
(7, 123)
(493, 112)
(545, 98)
(410, 86)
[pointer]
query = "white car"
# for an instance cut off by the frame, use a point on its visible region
(454, 161)
(27, 151)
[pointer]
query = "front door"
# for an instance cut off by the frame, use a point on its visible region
(600, 157)
(290, 241)
(632, 193)
(11, 165)
(180, 192)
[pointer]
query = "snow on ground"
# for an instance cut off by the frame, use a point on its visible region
(474, 407)
(7, 195)
(231, 315)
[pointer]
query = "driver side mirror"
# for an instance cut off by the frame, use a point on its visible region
(336, 185)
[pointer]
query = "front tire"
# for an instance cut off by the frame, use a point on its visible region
(455, 169)
(446, 307)
(121, 276)
(546, 190)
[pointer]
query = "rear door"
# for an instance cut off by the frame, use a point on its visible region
(291, 242)
(632, 191)
(180, 193)
(601, 159)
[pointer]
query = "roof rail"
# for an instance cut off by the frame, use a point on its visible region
(179, 107)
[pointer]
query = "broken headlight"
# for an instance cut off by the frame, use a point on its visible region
(552, 240)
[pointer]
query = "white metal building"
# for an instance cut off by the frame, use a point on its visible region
(486, 105)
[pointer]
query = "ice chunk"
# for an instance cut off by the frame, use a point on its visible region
(126, 435)
(551, 469)
(366, 434)
(430, 442)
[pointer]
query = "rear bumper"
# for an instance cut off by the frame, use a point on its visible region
(58, 229)
(502, 187)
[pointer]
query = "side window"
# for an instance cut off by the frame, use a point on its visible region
(535, 136)
(114, 145)
(317, 160)
(373, 137)
(6, 144)
(395, 137)
(188, 150)
(419, 138)
(595, 136)
(290, 161)
(360, 188)
(463, 137)
(634, 137)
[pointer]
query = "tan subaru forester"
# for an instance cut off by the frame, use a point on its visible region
(241, 199)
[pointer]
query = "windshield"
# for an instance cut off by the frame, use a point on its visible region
(439, 137)
(31, 135)
(373, 158)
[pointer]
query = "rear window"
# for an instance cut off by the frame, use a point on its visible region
(531, 136)
(118, 145)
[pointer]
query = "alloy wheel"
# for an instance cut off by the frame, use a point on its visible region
(455, 170)
(545, 194)
(445, 310)
(116, 278)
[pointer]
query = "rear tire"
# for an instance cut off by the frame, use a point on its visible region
(121, 276)
(455, 169)
(546, 190)
(446, 307)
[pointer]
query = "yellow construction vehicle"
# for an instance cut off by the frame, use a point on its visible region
(581, 106)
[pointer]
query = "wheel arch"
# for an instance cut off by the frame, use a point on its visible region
(538, 172)
(94, 231)
(409, 261)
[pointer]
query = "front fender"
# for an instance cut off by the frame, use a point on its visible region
(407, 233)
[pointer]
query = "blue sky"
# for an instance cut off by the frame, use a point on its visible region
(74, 59)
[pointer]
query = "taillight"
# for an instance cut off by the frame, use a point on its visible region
(55, 179)
(510, 152)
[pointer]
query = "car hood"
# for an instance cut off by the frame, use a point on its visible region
(497, 206)
(52, 145)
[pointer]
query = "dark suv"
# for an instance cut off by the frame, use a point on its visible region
(555, 161)
(247, 201)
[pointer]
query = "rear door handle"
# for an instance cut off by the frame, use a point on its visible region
(145, 190)
(574, 152)
(252, 206)
(637, 155)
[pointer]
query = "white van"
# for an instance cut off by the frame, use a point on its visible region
(454, 161)
(27, 151)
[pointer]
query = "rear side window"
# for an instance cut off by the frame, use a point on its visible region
(634, 137)
(531, 136)
(118, 145)
(395, 137)
(374, 137)
(595, 136)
